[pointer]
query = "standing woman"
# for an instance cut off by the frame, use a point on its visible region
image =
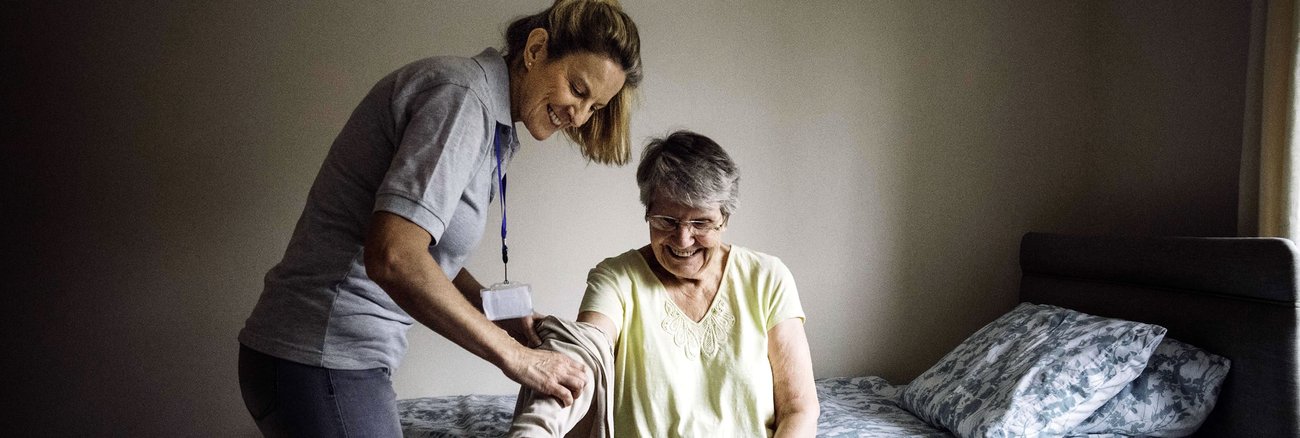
(400, 202)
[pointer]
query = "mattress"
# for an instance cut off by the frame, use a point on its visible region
(850, 407)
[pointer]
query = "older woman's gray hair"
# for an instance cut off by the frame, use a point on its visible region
(691, 169)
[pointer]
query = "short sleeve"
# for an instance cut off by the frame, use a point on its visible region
(782, 297)
(606, 284)
(444, 140)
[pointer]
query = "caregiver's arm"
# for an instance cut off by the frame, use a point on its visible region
(794, 392)
(397, 258)
(519, 328)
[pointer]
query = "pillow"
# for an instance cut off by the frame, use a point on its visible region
(1036, 370)
(1172, 397)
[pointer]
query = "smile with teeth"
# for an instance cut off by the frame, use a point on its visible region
(680, 253)
(555, 119)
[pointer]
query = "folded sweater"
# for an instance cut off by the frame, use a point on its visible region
(592, 413)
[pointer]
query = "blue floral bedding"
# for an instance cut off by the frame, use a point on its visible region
(867, 407)
(850, 407)
(456, 416)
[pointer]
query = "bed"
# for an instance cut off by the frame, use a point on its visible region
(1235, 298)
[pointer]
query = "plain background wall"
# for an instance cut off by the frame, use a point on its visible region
(892, 153)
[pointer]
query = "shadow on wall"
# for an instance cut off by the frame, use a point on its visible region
(166, 152)
(1014, 131)
(999, 116)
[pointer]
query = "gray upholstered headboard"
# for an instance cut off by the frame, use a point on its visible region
(1235, 297)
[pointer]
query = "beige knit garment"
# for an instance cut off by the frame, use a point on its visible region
(592, 413)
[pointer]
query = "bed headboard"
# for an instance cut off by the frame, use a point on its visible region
(1235, 297)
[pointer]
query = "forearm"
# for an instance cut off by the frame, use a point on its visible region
(469, 288)
(794, 391)
(416, 283)
(800, 423)
(397, 258)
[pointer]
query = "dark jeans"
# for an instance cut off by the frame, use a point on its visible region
(289, 399)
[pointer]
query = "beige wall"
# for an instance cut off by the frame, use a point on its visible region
(891, 152)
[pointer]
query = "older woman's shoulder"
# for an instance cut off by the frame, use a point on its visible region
(620, 271)
(742, 256)
(627, 260)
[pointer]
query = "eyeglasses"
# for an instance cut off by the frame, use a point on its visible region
(669, 223)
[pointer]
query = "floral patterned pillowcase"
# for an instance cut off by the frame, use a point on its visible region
(1037, 370)
(1172, 397)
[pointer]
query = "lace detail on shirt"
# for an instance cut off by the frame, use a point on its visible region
(703, 338)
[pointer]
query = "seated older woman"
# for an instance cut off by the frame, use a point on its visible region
(708, 336)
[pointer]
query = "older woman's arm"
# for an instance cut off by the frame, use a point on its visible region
(795, 393)
(601, 322)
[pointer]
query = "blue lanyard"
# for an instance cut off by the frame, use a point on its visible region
(501, 188)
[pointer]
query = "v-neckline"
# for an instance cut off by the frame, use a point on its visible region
(726, 266)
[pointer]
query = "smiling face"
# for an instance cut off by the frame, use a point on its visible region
(683, 255)
(549, 95)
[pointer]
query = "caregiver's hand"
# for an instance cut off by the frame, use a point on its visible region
(547, 372)
(522, 329)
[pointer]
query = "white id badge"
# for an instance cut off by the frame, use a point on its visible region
(507, 300)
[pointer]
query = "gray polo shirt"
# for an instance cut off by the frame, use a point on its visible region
(419, 145)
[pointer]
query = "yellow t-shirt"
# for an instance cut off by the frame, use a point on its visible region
(674, 377)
